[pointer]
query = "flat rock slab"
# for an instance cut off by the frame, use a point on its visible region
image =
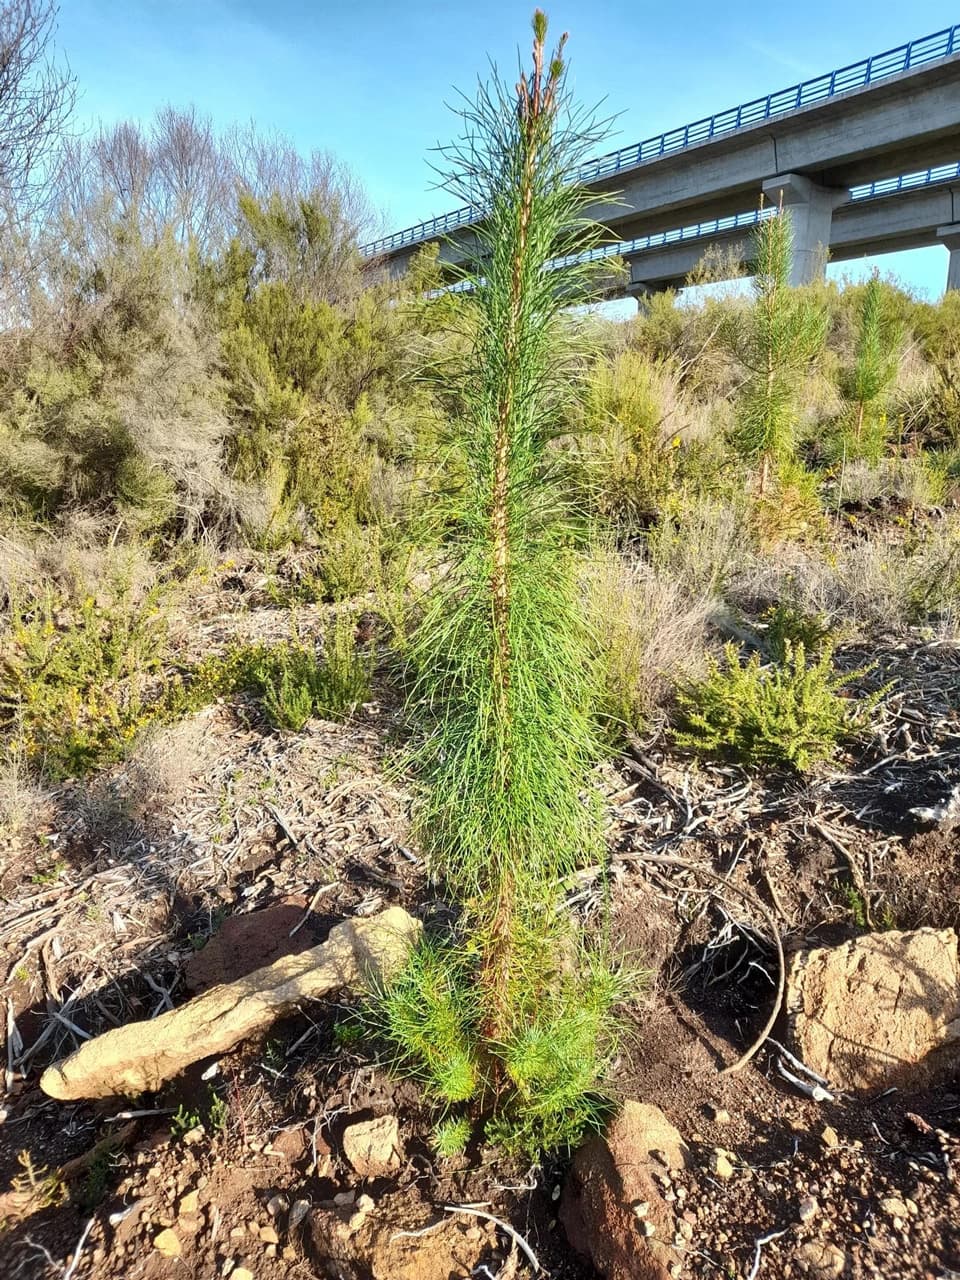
(878, 1011)
(142, 1056)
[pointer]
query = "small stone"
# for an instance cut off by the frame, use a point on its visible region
(374, 1147)
(167, 1243)
(720, 1164)
(808, 1208)
(237, 1232)
(344, 1198)
(188, 1204)
(271, 1251)
(277, 1205)
(641, 1208)
(685, 1230)
(829, 1137)
(242, 1273)
(269, 1236)
(912, 1207)
(298, 1212)
(194, 1135)
(190, 1222)
(647, 1228)
(894, 1206)
(717, 1114)
(820, 1260)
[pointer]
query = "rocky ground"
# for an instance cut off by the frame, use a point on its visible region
(221, 846)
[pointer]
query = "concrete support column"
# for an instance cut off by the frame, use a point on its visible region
(950, 236)
(811, 212)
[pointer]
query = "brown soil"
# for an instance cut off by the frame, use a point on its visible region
(110, 907)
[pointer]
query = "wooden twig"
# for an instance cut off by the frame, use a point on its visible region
(504, 1226)
(856, 875)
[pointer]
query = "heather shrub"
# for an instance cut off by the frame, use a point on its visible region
(792, 713)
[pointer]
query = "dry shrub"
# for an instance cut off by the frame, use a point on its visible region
(911, 480)
(652, 634)
(26, 806)
(701, 546)
(886, 583)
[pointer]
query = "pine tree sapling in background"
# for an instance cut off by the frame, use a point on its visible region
(783, 333)
(866, 383)
(506, 687)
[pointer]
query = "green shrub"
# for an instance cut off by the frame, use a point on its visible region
(76, 686)
(787, 627)
(291, 680)
(790, 714)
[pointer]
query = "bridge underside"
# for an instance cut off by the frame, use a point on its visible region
(808, 159)
(908, 220)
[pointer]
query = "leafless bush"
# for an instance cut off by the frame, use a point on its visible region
(701, 547)
(36, 98)
(884, 583)
(26, 806)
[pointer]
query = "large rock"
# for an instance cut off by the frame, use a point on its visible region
(874, 1012)
(142, 1056)
(613, 1209)
(374, 1147)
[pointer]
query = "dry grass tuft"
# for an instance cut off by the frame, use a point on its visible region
(653, 634)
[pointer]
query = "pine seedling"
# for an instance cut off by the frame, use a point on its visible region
(506, 684)
(503, 653)
(778, 340)
(866, 383)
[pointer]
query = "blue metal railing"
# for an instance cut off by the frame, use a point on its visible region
(868, 71)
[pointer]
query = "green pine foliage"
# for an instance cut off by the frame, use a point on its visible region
(791, 714)
(451, 1135)
(776, 341)
(506, 681)
(866, 384)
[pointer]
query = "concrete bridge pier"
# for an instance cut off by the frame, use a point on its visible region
(950, 236)
(811, 211)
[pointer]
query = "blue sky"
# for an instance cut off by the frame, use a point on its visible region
(369, 80)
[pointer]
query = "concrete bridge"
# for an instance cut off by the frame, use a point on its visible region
(833, 150)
